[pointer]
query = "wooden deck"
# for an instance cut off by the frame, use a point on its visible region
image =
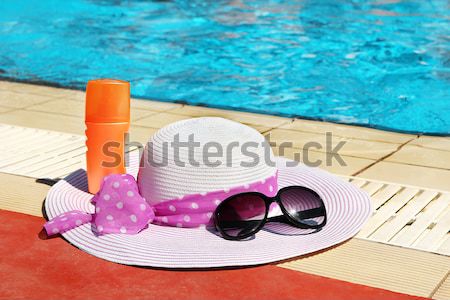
(419, 165)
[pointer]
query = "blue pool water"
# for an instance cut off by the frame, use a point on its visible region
(379, 63)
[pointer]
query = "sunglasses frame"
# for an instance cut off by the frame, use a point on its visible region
(268, 201)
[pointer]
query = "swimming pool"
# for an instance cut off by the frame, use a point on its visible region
(380, 63)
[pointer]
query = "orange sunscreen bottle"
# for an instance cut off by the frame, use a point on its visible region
(107, 121)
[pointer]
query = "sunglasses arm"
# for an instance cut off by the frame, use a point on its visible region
(311, 213)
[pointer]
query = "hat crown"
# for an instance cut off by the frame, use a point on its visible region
(170, 169)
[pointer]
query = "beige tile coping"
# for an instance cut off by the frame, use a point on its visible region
(18, 100)
(409, 174)
(243, 117)
(5, 109)
(64, 123)
(439, 143)
(162, 119)
(33, 89)
(378, 265)
(347, 131)
(76, 109)
(416, 155)
(319, 159)
(154, 105)
(352, 147)
(9, 86)
(44, 120)
(141, 134)
(65, 107)
(141, 104)
(37, 91)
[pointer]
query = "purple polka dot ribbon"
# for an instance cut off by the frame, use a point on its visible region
(119, 207)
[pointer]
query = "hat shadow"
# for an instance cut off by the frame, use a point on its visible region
(78, 180)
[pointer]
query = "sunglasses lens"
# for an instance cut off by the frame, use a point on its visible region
(241, 215)
(304, 206)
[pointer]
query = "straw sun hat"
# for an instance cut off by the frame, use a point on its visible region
(188, 193)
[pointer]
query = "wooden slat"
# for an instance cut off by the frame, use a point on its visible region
(387, 211)
(383, 195)
(16, 139)
(372, 187)
(29, 139)
(55, 168)
(66, 170)
(34, 161)
(61, 169)
(433, 239)
(39, 153)
(46, 162)
(43, 152)
(7, 130)
(358, 182)
(50, 145)
(23, 146)
(444, 248)
(423, 221)
(395, 183)
(403, 217)
(11, 162)
(13, 133)
(72, 142)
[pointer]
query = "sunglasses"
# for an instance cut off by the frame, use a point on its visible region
(242, 215)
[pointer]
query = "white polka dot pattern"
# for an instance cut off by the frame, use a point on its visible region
(67, 221)
(199, 207)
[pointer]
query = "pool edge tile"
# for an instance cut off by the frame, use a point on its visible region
(320, 142)
(411, 154)
(348, 131)
(419, 176)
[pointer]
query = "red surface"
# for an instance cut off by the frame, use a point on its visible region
(31, 268)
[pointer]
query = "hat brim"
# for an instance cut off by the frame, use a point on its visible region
(348, 208)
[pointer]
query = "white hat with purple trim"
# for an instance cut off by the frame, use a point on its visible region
(186, 170)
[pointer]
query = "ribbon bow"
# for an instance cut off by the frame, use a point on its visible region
(119, 208)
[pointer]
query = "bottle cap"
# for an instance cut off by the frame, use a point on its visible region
(107, 101)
